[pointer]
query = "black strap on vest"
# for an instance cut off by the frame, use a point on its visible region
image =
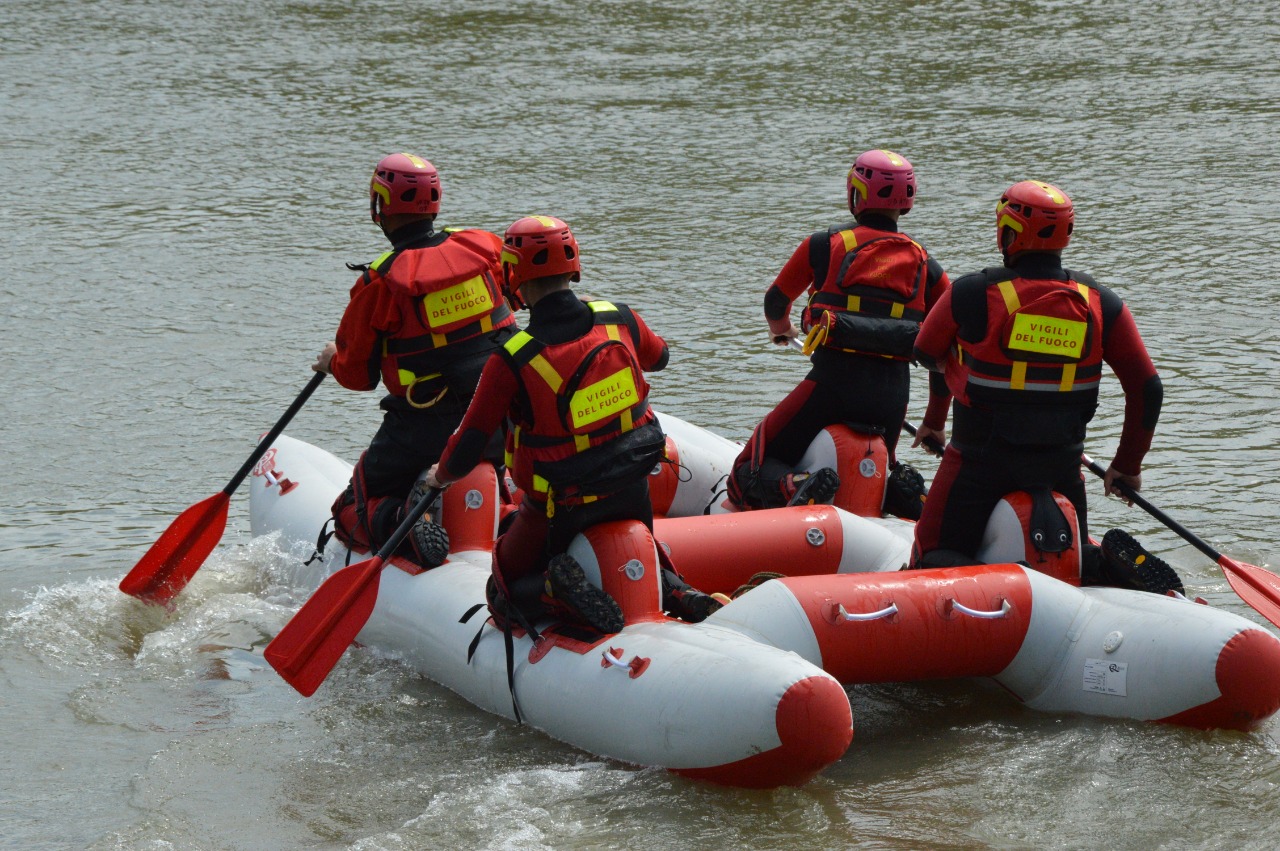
(426, 342)
(820, 253)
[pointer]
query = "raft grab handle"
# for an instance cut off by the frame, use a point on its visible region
(949, 605)
(613, 658)
(836, 612)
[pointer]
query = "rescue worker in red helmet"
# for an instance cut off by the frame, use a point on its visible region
(577, 464)
(423, 318)
(869, 288)
(1022, 348)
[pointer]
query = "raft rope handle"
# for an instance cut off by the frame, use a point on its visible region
(867, 616)
(1005, 608)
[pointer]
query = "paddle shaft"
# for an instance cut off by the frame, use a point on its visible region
(929, 443)
(366, 572)
(270, 438)
(1141, 501)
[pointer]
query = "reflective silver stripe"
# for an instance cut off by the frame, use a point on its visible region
(1048, 385)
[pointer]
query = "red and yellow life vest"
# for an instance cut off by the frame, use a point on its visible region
(582, 394)
(449, 293)
(875, 287)
(1043, 337)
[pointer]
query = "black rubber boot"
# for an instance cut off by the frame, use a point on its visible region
(1128, 565)
(684, 601)
(816, 488)
(567, 585)
(428, 539)
(904, 492)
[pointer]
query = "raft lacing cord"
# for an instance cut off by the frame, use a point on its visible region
(717, 492)
(321, 541)
(892, 609)
(508, 641)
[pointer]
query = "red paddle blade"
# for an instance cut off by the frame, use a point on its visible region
(1258, 587)
(173, 559)
(313, 641)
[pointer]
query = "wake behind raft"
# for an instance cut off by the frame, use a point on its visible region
(753, 696)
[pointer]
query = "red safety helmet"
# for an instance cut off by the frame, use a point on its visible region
(403, 183)
(1033, 216)
(881, 180)
(537, 247)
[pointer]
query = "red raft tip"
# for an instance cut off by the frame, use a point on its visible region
(815, 727)
(1248, 675)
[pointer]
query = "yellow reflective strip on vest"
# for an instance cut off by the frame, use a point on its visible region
(1068, 377)
(517, 341)
(612, 331)
(486, 324)
(406, 377)
(509, 450)
(544, 368)
(850, 240)
(896, 310)
(625, 421)
(1011, 301)
(540, 485)
(1084, 291)
(439, 340)
(1018, 380)
(599, 306)
(581, 442)
(855, 303)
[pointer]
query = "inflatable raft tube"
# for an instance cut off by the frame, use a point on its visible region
(703, 700)
(1055, 647)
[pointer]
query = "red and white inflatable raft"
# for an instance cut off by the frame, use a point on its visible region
(752, 696)
(845, 606)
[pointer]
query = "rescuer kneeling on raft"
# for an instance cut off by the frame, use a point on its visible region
(1022, 348)
(869, 285)
(584, 439)
(424, 317)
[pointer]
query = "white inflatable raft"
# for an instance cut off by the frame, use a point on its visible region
(704, 700)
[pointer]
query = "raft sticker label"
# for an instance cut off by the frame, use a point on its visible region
(1105, 676)
(267, 463)
(460, 301)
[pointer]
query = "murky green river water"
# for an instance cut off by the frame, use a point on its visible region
(183, 183)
